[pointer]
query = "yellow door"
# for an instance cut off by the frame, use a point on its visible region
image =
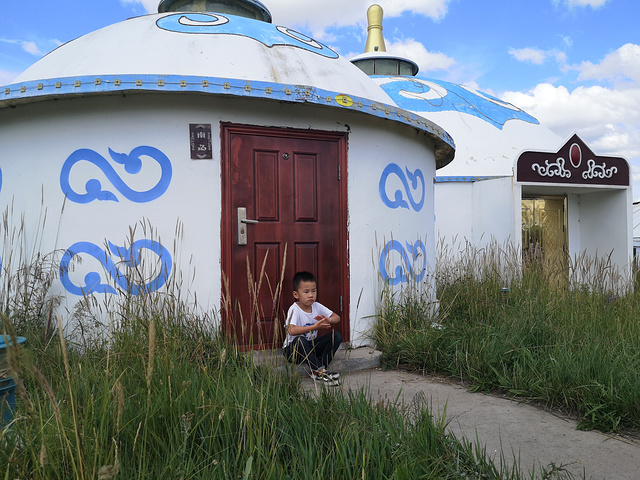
(544, 236)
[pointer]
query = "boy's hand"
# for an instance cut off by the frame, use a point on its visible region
(322, 321)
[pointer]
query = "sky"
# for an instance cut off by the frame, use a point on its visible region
(572, 64)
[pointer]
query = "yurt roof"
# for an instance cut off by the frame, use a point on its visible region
(211, 53)
(489, 133)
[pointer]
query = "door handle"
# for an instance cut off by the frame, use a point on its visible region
(242, 225)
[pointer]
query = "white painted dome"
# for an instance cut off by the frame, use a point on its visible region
(205, 45)
(490, 134)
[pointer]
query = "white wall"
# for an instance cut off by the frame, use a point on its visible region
(497, 211)
(374, 225)
(479, 212)
(605, 227)
(36, 139)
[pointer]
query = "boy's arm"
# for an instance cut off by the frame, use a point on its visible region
(332, 319)
(321, 323)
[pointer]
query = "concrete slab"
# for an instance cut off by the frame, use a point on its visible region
(346, 360)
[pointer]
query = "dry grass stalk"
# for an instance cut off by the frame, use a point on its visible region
(13, 359)
(152, 353)
(78, 465)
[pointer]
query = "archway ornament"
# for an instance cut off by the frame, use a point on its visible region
(574, 163)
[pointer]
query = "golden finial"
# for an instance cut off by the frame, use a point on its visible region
(375, 40)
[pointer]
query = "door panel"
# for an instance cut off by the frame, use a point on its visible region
(306, 184)
(306, 257)
(267, 191)
(288, 182)
(544, 236)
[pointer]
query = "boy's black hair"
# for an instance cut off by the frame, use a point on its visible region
(303, 277)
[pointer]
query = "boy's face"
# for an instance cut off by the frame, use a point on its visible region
(306, 293)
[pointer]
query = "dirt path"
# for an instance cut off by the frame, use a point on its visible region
(518, 430)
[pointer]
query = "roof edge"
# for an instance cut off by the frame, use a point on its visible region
(53, 88)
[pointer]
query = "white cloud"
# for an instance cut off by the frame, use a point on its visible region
(32, 48)
(28, 46)
(560, 57)
(532, 55)
(623, 64)
(582, 3)
(585, 108)
(538, 56)
(316, 17)
(416, 51)
(151, 6)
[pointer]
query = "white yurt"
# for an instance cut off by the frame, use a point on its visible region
(513, 182)
(207, 149)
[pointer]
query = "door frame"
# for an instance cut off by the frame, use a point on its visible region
(229, 219)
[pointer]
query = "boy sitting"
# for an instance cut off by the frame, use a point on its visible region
(304, 319)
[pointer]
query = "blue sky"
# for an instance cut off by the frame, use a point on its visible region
(573, 64)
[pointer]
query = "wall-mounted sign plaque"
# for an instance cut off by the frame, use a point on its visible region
(200, 139)
(574, 163)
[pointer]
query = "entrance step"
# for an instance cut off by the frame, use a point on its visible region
(347, 359)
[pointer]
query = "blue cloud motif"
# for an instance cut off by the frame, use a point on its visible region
(132, 165)
(399, 199)
(127, 257)
(265, 33)
(419, 95)
(410, 257)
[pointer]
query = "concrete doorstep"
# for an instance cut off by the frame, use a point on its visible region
(347, 359)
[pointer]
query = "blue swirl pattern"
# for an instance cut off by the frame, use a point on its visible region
(265, 33)
(132, 165)
(399, 201)
(430, 95)
(410, 258)
(127, 257)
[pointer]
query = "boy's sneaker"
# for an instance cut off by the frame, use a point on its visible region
(324, 377)
(334, 375)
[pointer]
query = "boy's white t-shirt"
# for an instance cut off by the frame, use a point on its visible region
(296, 316)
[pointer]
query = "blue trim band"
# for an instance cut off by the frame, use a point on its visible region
(40, 90)
(467, 179)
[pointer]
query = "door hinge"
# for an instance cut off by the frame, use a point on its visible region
(341, 303)
(339, 172)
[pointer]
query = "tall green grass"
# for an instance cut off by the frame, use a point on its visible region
(159, 392)
(175, 400)
(572, 349)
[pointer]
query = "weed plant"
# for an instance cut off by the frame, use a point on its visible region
(574, 349)
(171, 400)
(159, 392)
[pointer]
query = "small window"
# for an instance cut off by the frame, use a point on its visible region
(367, 66)
(385, 66)
(406, 69)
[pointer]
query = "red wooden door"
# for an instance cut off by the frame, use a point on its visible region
(291, 187)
